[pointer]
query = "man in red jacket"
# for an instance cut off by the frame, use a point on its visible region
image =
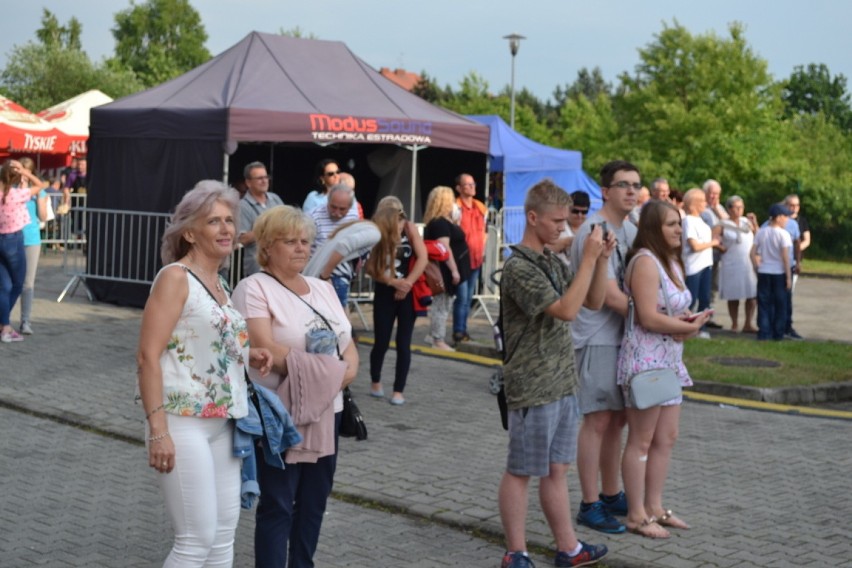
(472, 222)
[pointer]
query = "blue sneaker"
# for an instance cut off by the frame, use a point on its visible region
(517, 560)
(618, 507)
(595, 516)
(589, 554)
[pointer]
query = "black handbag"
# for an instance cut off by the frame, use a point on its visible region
(352, 423)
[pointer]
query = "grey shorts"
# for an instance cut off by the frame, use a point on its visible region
(542, 435)
(597, 370)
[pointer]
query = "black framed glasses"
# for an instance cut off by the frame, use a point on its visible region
(334, 173)
(626, 185)
(576, 211)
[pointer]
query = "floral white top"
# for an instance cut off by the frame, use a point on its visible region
(643, 350)
(204, 363)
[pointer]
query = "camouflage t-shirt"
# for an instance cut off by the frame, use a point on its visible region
(540, 368)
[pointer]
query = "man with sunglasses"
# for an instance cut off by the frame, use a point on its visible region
(597, 338)
(256, 200)
(328, 175)
(577, 214)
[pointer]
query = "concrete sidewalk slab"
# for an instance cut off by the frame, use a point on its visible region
(759, 488)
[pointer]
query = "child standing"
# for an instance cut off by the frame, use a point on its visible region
(771, 258)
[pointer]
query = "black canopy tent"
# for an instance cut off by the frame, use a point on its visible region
(266, 96)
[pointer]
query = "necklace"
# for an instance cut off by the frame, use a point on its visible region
(218, 286)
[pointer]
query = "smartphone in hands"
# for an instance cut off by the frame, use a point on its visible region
(695, 316)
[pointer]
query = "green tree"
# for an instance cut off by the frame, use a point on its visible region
(296, 32)
(40, 75)
(812, 90)
(588, 83)
(703, 106)
(589, 125)
(428, 89)
(54, 35)
(160, 39)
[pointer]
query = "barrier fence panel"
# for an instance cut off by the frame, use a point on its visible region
(121, 246)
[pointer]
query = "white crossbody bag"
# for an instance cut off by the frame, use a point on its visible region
(654, 386)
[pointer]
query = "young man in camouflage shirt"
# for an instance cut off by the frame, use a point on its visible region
(540, 297)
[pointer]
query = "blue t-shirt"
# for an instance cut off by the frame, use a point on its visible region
(32, 231)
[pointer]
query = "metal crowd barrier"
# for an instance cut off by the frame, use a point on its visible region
(127, 247)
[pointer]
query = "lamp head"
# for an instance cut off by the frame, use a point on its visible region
(514, 42)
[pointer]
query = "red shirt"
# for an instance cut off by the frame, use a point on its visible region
(473, 224)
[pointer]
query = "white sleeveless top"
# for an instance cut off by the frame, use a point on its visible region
(204, 362)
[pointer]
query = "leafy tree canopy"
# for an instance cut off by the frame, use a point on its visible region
(160, 39)
(40, 75)
(813, 90)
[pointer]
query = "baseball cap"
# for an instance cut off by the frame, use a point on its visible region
(778, 209)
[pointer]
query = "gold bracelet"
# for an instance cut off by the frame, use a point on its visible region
(158, 438)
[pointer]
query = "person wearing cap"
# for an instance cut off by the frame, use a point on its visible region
(577, 214)
(771, 258)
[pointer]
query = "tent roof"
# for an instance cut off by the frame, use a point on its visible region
(23, 131)
(276, 88)
(72, 116)
(513, 152)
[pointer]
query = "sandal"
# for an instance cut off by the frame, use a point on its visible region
(668, 519)
(649, 528)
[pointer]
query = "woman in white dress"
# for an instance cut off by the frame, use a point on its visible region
(737, 280)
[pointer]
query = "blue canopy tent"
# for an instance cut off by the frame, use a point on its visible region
(524, 163)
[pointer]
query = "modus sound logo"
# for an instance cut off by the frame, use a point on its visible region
(327, 128)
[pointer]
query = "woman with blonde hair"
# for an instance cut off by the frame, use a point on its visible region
(300, 319)
(192, 358)
(395, 264)
(440, 227)
(13, 218)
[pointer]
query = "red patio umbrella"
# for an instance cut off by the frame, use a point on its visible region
(22, 132)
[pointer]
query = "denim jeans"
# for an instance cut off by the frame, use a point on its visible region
(771, 306)
(699, 286)
(461, 307)
(341, 286)
(13, 269)
(290, 513)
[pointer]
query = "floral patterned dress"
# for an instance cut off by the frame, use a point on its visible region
(643, 350)
(204, 363)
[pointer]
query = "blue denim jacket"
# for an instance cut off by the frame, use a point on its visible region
(276, 431)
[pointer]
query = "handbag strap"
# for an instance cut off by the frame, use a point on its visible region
(249, 385)
(322, 317)
(631, 307)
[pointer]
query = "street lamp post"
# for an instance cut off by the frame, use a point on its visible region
(514, 44)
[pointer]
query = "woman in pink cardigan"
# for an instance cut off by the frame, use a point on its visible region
(287, 313)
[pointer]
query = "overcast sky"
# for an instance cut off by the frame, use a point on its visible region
(450, 38)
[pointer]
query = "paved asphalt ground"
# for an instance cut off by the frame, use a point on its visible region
(759, 488)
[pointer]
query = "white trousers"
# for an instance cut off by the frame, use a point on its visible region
(202, 492)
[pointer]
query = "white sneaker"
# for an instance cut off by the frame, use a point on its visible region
(11, 337)
(703, 335)
(26, 328)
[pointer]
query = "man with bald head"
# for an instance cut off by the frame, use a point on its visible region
(339, 210)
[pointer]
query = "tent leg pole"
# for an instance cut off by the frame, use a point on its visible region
(413, 210)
